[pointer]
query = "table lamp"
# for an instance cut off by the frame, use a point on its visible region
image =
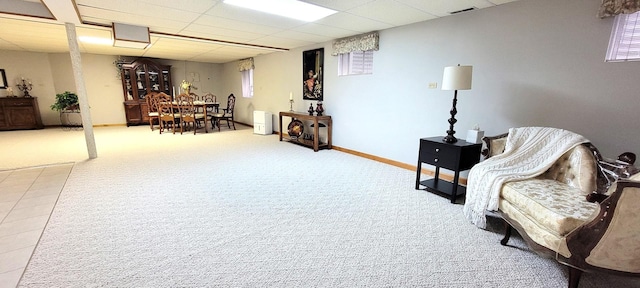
(455, 78)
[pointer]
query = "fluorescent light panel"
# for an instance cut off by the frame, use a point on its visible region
(95, 40)
(287, 8)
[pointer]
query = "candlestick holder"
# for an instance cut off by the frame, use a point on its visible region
(290, 105)
(25, 87)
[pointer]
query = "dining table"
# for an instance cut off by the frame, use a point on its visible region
(202, 105)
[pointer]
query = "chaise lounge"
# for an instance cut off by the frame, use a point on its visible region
(556, 210)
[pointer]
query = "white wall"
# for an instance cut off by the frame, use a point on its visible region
(536, 63)
(36, 68)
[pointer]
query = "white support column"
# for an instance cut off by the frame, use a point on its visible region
(76, 64)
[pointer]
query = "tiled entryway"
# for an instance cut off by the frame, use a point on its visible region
(27, 198)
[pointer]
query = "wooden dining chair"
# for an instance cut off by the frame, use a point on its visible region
(209, 98)
(167, 114)
(188, 113)
(226, 114)
(152, 107)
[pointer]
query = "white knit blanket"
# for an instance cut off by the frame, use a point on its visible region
(529, 152)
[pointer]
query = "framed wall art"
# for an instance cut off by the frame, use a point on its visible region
(312, 65)
(3, 80)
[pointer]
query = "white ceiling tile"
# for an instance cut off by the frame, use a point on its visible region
(392, 12)
(339, 5)
(353, 22)
(324, 30)
(212, 19)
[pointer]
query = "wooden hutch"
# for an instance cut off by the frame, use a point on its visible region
(139, 78)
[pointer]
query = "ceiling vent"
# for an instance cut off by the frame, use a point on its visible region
(463, 10)
(130, 36)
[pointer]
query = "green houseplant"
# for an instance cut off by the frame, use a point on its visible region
(65, 101)
(67, 104)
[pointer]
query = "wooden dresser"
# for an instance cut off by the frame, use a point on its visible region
(17, 113)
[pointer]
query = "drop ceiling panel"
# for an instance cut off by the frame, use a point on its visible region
(221, 22)
(443, 8)
(281, 42)
(302, 36)
(339, 5)
(325, 30)
(212, 19)
(221, 33)
(353, 22)
(245, 15)
(390, 11)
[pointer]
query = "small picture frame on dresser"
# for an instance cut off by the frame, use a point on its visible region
(3, 80)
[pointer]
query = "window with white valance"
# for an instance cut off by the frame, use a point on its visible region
(245, 66)
(364, 42)
(355, 54)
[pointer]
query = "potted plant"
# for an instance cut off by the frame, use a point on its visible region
(66, 101)
(67, 104)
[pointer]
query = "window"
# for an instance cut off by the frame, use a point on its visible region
(624, 44)
(247, 83)
(355, 63)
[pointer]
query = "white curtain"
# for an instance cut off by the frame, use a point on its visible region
(247, 83)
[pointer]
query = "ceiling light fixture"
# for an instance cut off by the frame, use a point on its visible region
(95, 40)
(287, 8)
(130, 36)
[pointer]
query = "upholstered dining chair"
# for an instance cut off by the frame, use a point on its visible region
(188, 113)
(209, 98)
(227, 113)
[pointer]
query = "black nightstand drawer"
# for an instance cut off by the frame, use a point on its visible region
(445, 159)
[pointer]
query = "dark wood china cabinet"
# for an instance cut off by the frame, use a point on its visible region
(139, 78)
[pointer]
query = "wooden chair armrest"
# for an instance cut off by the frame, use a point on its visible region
(603, 243)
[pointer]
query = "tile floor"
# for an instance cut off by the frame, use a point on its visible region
(27, 198)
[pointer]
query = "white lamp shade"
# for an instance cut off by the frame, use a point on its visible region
(457, 78)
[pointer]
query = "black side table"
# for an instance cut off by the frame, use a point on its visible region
(457, 157)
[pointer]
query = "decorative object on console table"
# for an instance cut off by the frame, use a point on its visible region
(458, 156)
(19, 113)
(10, 92)
(290, 101)
(455, 78)
(310, 109)
(25, 87)
(319, 108)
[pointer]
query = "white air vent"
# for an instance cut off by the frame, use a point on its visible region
(463, 10)
(130, 36)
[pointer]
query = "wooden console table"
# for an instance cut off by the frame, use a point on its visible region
(17, 113)
(315, 144)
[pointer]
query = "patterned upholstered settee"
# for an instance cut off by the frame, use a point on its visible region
(559, 216)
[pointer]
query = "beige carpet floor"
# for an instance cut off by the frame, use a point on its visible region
(234, 209)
